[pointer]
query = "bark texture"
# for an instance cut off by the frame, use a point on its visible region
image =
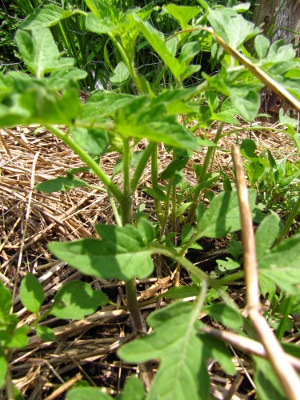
(280, 19)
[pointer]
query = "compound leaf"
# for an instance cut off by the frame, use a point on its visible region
(121, 254)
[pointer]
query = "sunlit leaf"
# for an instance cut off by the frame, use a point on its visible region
(5, 302)
(231, 26)
(182, 373)
(31, 293)
(134, 389)
(182, 13)
(120, 75)
(223, 215)
(44, 17)
(120, 254)
(281, 265)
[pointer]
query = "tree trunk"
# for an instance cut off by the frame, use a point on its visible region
(280, 19)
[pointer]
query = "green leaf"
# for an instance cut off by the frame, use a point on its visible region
(216, 349)
(19, 338)
(223, 215)
(266, 234)
(246, 101)
(225, 314)
(40, 53)
(266, 286)
(43, 17)
(5, 303)
(75, 300)
(182, 373)
(45, 333)
(94, 141)
(120, 75)
(60, 184)
(227, 265)
(261, 44)
(281, 265)
(31, 293)
(267, 384)
(46, 108)
(141, 120)
(146, 230)
(248, 148)
(231, 26)
(157, 41)
(100, 25)
(121, 254)
(103, 104)
(182, 292)
(59, 79)
(174, 167)
(134, 389)
(3, 368)
(183, 14)
(87, 393)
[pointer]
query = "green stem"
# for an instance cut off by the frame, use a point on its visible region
(236, 276)
(167, 207)
(85, 157)
(141, 166)
(126, 206)
(170, 253)
(9, 387)
(127, 218)
(154, 179)
(174, 204)
(203, 172)
(289, 221)
(133, 307)
(128, 64)
(281, 328)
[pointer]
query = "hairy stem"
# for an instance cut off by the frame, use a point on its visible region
(85, 157)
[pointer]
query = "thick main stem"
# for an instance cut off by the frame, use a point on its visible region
(127, 218)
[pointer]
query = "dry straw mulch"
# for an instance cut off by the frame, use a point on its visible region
(30, 219)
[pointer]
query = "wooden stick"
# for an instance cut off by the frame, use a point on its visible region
(277, 357)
